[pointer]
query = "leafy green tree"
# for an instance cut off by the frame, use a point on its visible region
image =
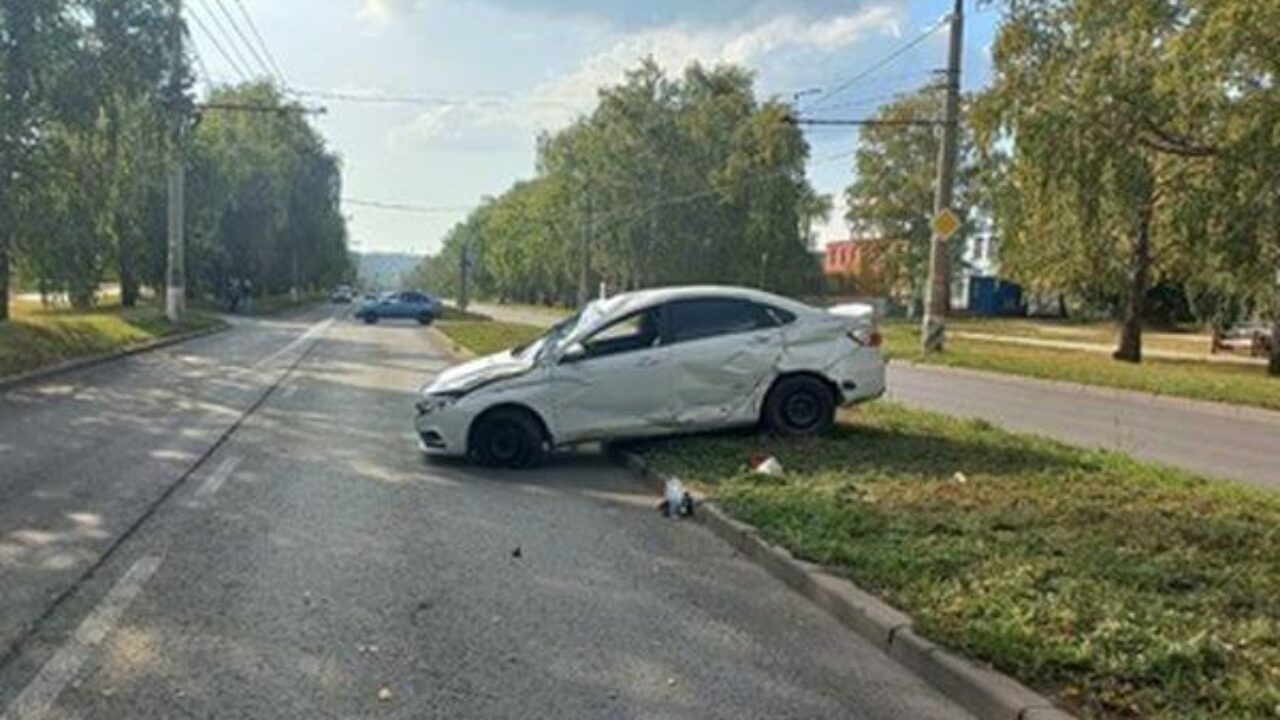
(1142, 138)
(668, 181)
(263, 197)
(33, 44)
(130, 59)
(891, 196)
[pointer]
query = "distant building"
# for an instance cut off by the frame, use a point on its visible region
(859, 256)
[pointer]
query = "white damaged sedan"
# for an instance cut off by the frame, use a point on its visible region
(657, 362)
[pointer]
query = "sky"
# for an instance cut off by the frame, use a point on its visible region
(436, 104)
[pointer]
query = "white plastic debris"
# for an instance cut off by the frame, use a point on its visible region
(959, 478)
(384, 694)
(676, 501)
(768, 465)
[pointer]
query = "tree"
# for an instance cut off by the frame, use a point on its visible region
(130, 57)
(1142, 139)
(32, 35)
(891, 197)
(668, 180)
(263, 197)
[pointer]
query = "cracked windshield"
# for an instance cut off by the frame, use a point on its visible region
(877, 359)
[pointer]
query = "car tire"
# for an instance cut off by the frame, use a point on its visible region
(424, 319)
(799, 406)
(370, 319)
(507, 438)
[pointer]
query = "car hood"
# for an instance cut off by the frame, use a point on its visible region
(482, 371)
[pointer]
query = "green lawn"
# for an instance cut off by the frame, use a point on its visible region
(35, 337)
(484, 336)
(1097, 332)
(1119, 588)
(1220, 382)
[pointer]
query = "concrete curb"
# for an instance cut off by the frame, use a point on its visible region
(14, 381)
(988, 694)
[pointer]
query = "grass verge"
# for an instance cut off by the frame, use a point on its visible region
(1218, 382)
(36, 338)
(1119, 588)
(484, 336)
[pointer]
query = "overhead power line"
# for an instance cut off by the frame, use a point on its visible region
(872, 122)
(262, 64)
(882, 62)
(266, 50)
(408, 207)
(213, 40)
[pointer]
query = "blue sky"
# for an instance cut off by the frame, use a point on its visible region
(488, 75)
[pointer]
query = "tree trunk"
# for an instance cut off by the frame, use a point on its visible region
(1130, 349)
(4, 279)
(1273, 365)
(128, 271)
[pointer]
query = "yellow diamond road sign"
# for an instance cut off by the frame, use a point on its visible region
(945, 223)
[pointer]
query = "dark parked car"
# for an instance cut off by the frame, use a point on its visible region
(408, 304)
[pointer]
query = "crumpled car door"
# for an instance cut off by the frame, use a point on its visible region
(719, 380)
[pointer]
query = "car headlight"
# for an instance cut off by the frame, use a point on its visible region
(436, 402)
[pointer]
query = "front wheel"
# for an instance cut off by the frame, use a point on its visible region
(507, 438)
(370, 318)
(424, 319)
(799, 406)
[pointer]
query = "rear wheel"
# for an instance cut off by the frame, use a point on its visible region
(508, 438)
(799, 406)
(424, 319)
(370, 318)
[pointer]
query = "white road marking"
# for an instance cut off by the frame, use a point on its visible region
(218, 477)
(311, 332)
(38, 697)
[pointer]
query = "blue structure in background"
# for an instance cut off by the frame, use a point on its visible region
(991, 296)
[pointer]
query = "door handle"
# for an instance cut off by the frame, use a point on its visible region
(761, 339)
(647, 362)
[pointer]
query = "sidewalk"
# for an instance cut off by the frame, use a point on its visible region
(1107, 349)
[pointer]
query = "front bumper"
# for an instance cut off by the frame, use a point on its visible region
(441, 430)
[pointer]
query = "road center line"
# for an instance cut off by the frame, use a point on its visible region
(38, 696)
(317, 329)
(219, 476)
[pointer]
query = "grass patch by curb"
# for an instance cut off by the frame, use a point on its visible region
(1217, 382)
(34, 338)
(1120, 588)
(483, 336)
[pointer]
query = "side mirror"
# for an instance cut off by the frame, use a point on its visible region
(573, 353)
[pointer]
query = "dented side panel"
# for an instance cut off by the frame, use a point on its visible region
(720, 380)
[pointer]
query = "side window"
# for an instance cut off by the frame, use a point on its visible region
(697, 319)
(636, 331)
(778, 315)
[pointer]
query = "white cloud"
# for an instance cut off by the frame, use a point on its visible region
(556, 102)
(381, 12)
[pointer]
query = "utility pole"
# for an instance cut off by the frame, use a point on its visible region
(584, 259)
(937, 297)
(175, 274)
(464, 267)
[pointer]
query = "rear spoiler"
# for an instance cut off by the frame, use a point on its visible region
(863, 330)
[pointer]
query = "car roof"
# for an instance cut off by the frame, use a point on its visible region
(624, 302)
(601, 312)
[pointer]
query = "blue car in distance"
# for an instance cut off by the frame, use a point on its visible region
(408, 304)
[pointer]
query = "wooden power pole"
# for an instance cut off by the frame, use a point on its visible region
(175, 274)
(937, 297)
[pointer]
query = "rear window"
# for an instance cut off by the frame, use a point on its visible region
(697, 319)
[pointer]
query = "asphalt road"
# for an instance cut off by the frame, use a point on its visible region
(1209, 438)
(240, 526)
(1214, 439)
